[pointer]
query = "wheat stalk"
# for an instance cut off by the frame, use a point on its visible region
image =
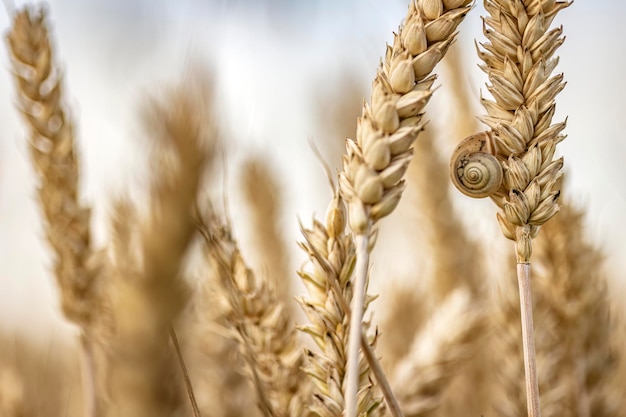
(508, 396)
(371, 181)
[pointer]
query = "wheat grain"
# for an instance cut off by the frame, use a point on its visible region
(519, 62)
(212, 347)
(12, 401)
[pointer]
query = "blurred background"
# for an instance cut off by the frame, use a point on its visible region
(283, 69)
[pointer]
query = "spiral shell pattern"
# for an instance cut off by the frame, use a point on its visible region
(474, 169)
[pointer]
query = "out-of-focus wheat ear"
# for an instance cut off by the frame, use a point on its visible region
(38, 379)
(265, 201)
(375, 163)
(66, 219)
(457, 83)
(12, 401)
(455, 257)
(337, 106)
(256, 315)
(148, 293)
(404, 300)
(618, 341)
(572, 289)
(52, 146)
(327, 277)
(441, 348)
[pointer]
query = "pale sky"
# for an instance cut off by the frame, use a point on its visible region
(270, 58)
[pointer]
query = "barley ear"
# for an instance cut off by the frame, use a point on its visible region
(371, 181)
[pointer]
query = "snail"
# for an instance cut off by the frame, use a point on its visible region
(474, 169)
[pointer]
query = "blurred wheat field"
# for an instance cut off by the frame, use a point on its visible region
(248, 88)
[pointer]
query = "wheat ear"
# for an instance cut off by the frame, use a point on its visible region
(52, 149)
(445, 343)
(336, 109)
(264, 198)
(265, 335)
(331, 255)
(520, 173)
(573, 296)
(371, 181)
(149, 293)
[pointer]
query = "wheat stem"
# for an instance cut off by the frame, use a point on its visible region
(183, 368)
(530, 358)
(354, 340)
(88, 369)
(379, 374)
(374, 363)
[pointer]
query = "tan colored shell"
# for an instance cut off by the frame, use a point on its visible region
(474, 169)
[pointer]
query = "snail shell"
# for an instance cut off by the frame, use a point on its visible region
(474, 169)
